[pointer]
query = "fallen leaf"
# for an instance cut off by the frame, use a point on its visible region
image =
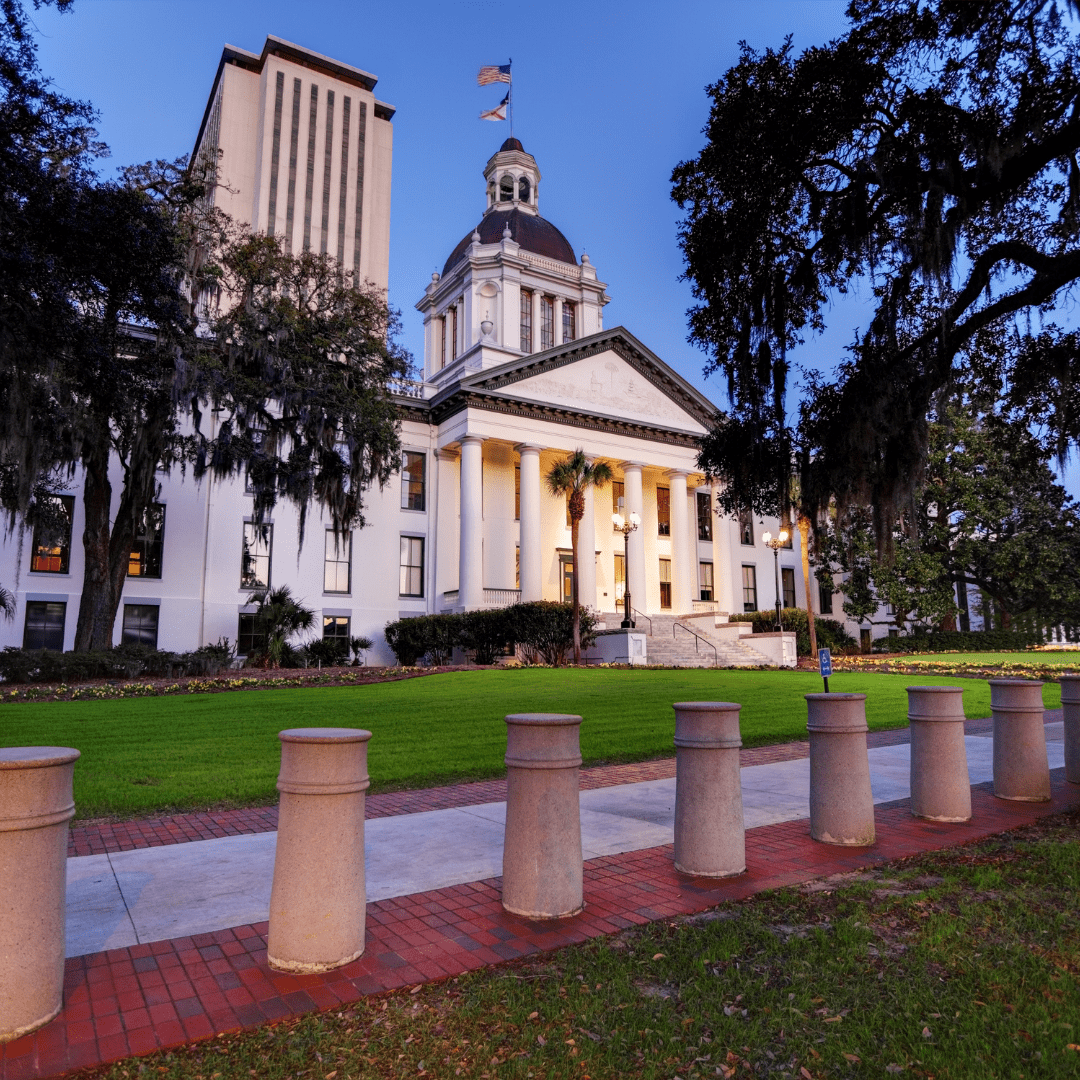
(926, 1033)
(854, 1059)
(659, 956)
(1073, 1046)
(416, 989)
(833, 1019)
(541, 1040)
(331, 1075)
(805, 1073)
(533, 1015)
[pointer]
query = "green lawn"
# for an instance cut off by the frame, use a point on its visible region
(1070, 659)
(146, 754)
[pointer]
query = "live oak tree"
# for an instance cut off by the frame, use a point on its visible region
(932, 146)
(108, 356)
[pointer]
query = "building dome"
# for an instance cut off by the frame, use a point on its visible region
(529, 231)
(512, 144)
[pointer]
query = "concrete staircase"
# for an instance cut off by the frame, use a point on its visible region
(679, 648)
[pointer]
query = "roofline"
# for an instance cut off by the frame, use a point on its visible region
(297, 54)
(616, 332)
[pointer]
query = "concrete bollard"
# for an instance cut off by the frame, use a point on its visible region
(1070, 707)
(940, 786)
(710, 836)
(542, 869)
(36, 805)
(841, 803)
(1021, 769)
(318, 906)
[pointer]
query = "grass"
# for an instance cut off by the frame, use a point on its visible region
(150, 754)
(956, 964)
(1069, 659)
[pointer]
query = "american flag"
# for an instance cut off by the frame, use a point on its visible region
(493, 73)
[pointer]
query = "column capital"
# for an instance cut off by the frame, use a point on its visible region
(471, 438)
(676, 474)
(527, 448)
(624, 465)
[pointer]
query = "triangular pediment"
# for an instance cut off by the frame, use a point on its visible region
(611, 375)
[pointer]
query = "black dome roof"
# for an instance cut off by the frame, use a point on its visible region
(512, 144)
(530, 231)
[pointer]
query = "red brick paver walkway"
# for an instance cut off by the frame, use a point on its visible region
(135, 1000)
(97, 837)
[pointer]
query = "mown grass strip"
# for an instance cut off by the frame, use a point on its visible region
(954, 964)
(153, 754)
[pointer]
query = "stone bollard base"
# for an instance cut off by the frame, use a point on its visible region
(1021, 769)
(841, 802)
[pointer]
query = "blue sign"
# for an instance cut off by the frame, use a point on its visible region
(824, 663)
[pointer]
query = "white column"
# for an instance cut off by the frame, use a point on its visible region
(557, 328)
(635, 576)
(721, 546)
(587, 552)
(682, 576)
(471, 549)
(529, 567)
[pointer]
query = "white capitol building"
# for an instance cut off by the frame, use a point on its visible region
(518, 370)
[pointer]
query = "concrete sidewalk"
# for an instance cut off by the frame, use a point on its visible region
(158, 893)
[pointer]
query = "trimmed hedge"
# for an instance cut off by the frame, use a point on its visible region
(830, 633)
(961, 641)
(121, 662)
(543, 629)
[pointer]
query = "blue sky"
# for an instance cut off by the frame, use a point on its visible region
(609, 97)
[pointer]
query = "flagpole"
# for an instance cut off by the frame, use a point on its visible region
(510, 65)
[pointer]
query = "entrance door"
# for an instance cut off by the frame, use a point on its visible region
(566, 574)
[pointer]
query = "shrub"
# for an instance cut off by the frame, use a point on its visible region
(333, 652)
(486, 633)
(545, 629)
(961, 641)
(830, 633)
(424, 637)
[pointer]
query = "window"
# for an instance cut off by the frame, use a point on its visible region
(547, 322)
(705, 580)
(665, 583)
(787, 585)
(618, 500)
(335, 627)
(453, 332)
(526, 320)
(704, 515)
(620, 578)
(145, 559)
(44, 627)
(412, 566)
(746, 529)
(506, 189)
(337, 562)
(52, 538)
(786, 526)
(569, 321)
(255, 563)
(566, 573)
(517, 492)
(663, 511)
(824, 599)
(249, 637)
(523, 189)
(749, 588)
(866, 643)
(140, 625)
(517, 566)
(442, 342)
(491, 192)
(412, 481)
(893, 632)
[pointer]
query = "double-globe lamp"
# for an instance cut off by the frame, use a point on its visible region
(776, 543)
(626, 527)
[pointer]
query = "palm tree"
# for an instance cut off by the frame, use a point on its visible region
(280, 616)
(572, 477)
(7, 604)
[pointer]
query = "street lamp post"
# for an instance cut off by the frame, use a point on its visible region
(626, 527)
(776, 543)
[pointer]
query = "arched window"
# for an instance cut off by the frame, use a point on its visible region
(523, 189)
(506, 189)
(491, 192)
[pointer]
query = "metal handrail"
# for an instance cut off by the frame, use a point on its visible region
(697, 637)
(642, 615)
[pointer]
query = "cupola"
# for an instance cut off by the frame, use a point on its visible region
(512, 179)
